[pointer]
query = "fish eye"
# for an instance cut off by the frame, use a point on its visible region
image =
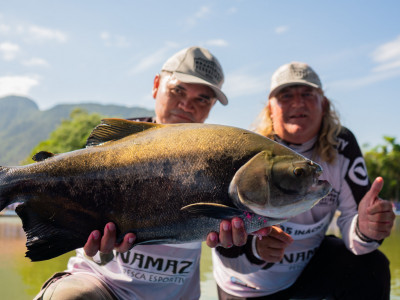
(298, 172)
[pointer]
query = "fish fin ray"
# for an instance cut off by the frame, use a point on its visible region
(44, 239)
(213, 210)
(42, 155)
(114, 129)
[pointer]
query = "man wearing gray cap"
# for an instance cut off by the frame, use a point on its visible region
(185, 91)
(297, 260)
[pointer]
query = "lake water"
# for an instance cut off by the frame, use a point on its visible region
(21, 279)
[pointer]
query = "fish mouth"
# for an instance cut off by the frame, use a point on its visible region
(317, 172)
(321, 187)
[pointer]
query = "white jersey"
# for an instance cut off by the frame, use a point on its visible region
(240, 272)
(148, 271)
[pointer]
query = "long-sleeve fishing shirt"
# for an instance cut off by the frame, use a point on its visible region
(240, 272)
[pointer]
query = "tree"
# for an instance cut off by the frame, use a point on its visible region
(70, 135)
(384, 161)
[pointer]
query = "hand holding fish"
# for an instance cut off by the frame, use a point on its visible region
(375, 215)
(230, 233)
(107, 242)
(272, 247)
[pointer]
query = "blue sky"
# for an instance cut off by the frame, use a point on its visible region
(109, 51)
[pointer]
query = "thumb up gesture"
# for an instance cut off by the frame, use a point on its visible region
(375, 215)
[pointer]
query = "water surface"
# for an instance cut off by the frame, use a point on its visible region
(21, 279)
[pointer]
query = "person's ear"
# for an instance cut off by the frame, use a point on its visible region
(156, 84)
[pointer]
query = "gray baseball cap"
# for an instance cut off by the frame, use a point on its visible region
(197, 65)
(291, 74)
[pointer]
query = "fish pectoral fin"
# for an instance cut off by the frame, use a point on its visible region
(213, 210)
(44, 240)
(42, 155)
(115, 129)
(250, 184)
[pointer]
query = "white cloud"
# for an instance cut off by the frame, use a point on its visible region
(35, 62)
(42, 33)
(111, 40)
(154, 59)
(232, 10)
(218, 43)
(281, 29)
(388, 56)
(9, 51)
(203, 12)
(356, 83)
(104, 35)
(241, 84)
(17, 85)
(4, 29)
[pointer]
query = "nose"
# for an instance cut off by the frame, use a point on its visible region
(186, 104)
(298, 99)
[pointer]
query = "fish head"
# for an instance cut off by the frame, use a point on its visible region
(279, 185)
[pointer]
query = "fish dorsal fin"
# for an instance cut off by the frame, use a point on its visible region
(115, 129)
(42, 155)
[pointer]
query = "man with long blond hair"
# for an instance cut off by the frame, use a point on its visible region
(297, 260)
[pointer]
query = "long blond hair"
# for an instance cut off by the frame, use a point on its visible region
(327, 142)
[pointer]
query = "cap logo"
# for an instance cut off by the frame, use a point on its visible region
(208, 69)
(303, 73)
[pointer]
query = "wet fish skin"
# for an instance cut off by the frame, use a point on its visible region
(166, 183)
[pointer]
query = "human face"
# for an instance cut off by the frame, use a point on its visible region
(297, 113)
(179, 102)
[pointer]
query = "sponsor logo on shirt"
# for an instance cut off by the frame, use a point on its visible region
(358, 172)
(156, 269)
(332, 199)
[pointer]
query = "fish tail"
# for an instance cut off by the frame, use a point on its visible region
(4, 201)
(53, 240)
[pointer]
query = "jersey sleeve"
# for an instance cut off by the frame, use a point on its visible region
(355, 184)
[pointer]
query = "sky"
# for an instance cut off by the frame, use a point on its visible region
(58, 52)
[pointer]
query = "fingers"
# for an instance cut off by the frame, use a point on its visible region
(380, 220)
(225, 234)
(272, 247)
(263, 231)
(239, 234)
(127, 243)
(230, 233)
(212, 240)
(107, 243)
(93, 244)
(109, 238)
(376, 188)
(279, 234)
(380, 206)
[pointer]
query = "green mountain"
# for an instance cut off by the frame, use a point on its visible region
(23, 125)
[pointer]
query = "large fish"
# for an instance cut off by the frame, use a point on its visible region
(166, 183)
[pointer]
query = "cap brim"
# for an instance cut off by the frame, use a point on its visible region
(193, 79)
(296, 82)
